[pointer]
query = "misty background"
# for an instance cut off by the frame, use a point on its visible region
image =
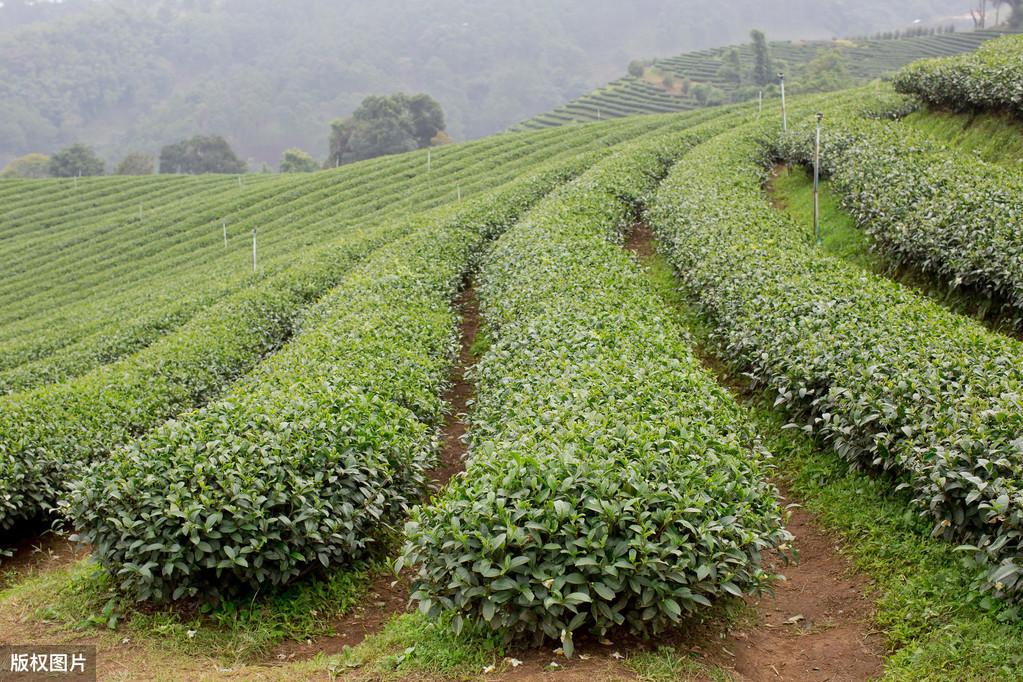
(134, 75)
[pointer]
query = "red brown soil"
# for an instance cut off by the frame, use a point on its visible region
(817, 625)
(387, 594)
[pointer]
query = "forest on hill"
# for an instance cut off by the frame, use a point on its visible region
(134, 75)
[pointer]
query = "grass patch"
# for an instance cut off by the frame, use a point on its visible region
(82, 597)
(411, 644)
(936, 626)
(995, 138)
(792, 192)
(668, 664)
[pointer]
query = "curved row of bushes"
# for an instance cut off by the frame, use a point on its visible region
(990, 78)
(48, 434)
(610, 481)
(947, 213)
(891, 379)
(311, 457)
(113, 272)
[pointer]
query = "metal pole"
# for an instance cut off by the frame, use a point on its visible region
(760, 103)
(816, 182)
(459, 193)
(253, 250)
(784, 112)
(429, 160)
(224, 223)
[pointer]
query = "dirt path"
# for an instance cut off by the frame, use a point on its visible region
(387, 595)
(36, 553)
(817, 625)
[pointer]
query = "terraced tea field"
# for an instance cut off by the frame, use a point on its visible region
(674, 397)
(864, 60)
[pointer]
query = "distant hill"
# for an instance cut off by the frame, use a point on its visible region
(127, 75)
(701, 78)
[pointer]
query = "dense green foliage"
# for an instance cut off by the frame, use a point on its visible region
(78, 160)
(49, 433)
(297, 161)
(922, 203)
(132, 74)
(313, 455)
(28, 166)
(728, 74)
(200, 154)
(990, 78)
(62, 312)
(610, 481)
(385, 125)
(890, 379)
(136, 163)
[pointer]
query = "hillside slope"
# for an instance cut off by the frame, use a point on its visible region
(268, 75)
(700, 80)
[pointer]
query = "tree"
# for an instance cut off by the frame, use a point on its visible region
(762, 71)
(200, 154)
(427, 117)
(136, 163)
(28, 166)
(637, 68)
(385, 125)
(341, 130)
(731, 67)
(297, 161)
(78, 159)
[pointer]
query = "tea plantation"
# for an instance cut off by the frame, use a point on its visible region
(236, 393)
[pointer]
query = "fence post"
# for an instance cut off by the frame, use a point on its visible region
(816, 181)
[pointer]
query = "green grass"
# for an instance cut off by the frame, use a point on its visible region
(82, 598)
(412, 644)
(792, 192)
(995, 138)
(936, 626)
(668, 664)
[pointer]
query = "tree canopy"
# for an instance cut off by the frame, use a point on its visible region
(28, 166)
(78, 159)
(385, 125)
(136, 163)
(200, 154)
(297, 161)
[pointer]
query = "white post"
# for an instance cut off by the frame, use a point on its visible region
(253, 250)
(239, 181)
(459, 193)
(224, 223)
(816, 182)
(760, 103)
(784, 113)
(429, 160)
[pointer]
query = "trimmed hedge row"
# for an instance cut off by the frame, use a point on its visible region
(990, 78)
(891, 379)
(48, 434)
(311, 457)
(946, 213)
(611, 481)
